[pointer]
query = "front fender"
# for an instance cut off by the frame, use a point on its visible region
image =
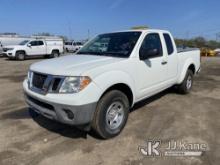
(108, 79)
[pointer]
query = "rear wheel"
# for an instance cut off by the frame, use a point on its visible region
(186, 86)
(55, 54)
(20, 56)
(111, 114)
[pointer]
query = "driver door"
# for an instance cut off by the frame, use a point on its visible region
(33, 48)
(152, 71)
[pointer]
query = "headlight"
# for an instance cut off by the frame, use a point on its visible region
(74, 84)
(9, 49)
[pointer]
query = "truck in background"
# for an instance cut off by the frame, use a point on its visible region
(47, 47)
(72, 46)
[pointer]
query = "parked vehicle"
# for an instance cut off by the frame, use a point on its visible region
(35, 47)
(1, 48)
(217, 51)
(97, 87)
(72, 46)
(208, 52)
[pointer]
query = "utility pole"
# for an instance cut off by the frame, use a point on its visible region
(217, 36)
(70, 31)
(88, 34)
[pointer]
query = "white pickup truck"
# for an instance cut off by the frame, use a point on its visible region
(72, 46)
(35, 47)
(98, 86)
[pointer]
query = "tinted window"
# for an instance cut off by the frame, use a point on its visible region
(34, 43)
(79, 43)
(68, 43)
(168, 43)
(40, 43)
(151, 42)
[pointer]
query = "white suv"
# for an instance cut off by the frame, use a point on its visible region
(72, 46)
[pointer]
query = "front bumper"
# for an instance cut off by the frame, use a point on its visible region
(10, 54)
(72, 109)
(67, 114)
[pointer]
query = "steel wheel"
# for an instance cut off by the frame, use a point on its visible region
(189, 82)
(115, 115)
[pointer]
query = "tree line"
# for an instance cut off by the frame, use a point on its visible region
(197, 42)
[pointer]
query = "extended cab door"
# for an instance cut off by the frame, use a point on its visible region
(171, 57)
(41, 48)
(152, 66)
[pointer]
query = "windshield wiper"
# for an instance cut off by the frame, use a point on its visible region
(92, 53)
(116, 54)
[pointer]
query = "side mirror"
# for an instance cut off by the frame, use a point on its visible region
(148, 53)
(28, 45)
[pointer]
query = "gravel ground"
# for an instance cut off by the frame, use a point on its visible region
(193, 118)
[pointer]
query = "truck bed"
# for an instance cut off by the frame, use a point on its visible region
(179, 50)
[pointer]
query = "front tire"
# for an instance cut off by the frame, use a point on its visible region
(186, 86)
(111, 114)
(20, 56)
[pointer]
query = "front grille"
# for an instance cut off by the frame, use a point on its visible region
(5, 49)
(56, 84)
(44, 83)
(38, 80)
(40, 103)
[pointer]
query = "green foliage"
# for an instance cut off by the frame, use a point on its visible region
(198, 42)
(43, 34)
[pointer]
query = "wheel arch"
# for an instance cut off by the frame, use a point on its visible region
(124, 88)
(57, 50)
(188, 66)
(21, 51)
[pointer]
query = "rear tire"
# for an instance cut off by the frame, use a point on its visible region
(111, 114)
(55, 54)
(20, 56)
(186, 86)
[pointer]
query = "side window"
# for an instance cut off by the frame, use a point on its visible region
(169, 44)
(34, 43)
(40, 43)
(152, 42)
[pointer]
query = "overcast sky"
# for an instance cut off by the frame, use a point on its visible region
(184, 19)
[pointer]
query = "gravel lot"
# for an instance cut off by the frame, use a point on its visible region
(166, 116)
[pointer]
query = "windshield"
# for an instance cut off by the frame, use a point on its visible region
(118, 44)
(24, 42)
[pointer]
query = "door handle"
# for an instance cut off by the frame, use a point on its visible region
(164, 62)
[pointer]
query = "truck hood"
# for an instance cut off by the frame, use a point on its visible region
(72, 65)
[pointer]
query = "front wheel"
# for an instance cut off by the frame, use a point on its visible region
(111, 114)
(186, 86)
(20, 56)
